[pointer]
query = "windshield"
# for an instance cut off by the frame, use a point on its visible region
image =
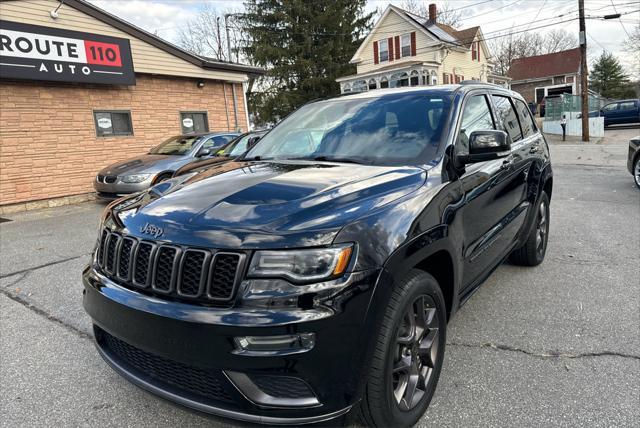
(392, 129)
(238, 147)
(175, 146)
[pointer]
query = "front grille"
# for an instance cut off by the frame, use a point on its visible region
(193, 380)
(164, 268)
(283, 386)
(187, 273)
(110, 179)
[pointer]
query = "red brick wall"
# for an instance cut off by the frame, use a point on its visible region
(48, 142)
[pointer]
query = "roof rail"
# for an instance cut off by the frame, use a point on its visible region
(477, 82)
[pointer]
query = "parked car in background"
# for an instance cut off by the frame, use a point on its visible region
(141, 172)
(235, 148)
(633, 159)
(619, 112)
(315, 274)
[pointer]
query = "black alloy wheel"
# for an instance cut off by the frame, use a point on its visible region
(532, 252)
(408, 354)
(417, 345)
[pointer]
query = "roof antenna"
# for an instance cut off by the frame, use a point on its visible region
(54, 13)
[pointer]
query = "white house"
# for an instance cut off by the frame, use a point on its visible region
(404, 49)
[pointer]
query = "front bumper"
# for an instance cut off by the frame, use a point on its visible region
(138, 335)
(118, 188)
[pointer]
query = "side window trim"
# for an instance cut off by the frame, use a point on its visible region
(460, 118)
(502, 127)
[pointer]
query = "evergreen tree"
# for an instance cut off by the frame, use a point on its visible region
(305, 46)
(608, 77)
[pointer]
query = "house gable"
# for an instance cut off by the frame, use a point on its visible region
(392, 23)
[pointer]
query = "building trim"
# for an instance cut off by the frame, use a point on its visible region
(139, 33)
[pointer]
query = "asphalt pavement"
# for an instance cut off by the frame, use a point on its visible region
(555, 345)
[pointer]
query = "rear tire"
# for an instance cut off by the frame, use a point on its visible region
(636, 171)
(408, 356)
(535, 247)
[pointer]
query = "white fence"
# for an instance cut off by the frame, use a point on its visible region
(574, 126)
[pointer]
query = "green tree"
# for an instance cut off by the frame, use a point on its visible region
(305, 46)
(608, 77)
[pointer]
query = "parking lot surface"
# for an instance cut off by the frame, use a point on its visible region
(557, 345)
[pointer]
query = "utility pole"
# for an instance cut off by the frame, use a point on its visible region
(584, 91)
(226, 26)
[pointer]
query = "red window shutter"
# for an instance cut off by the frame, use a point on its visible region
(375, 53)
(397, 41)
(413, 43)
(473, 51)
(390, 44)
(478, 50)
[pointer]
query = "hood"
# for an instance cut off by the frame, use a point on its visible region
(262, 204)
(144, 164)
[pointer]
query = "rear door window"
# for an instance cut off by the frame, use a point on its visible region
(627, 105)
(507, 117)
(526, 120)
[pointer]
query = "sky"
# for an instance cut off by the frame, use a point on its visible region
(495, 17)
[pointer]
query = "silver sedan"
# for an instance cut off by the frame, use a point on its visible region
(139, 173)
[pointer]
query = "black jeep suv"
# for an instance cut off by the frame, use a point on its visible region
(316, 274)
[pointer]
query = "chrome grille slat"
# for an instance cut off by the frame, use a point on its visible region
(191, 274)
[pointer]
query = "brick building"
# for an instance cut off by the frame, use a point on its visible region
(540, 76)
(81, 89)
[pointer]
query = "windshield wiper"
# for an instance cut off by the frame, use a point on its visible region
(335, 159)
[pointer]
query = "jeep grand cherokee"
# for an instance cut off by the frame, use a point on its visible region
(316, 274)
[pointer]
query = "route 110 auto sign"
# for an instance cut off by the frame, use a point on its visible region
(33, 52)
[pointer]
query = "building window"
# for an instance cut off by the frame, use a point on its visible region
(399, 80)
(373, 84)
(194, 122)
(384, 83)
(360, 86)
(405, 45)
(383, 48)
(414, 78)
(115, 122)
(434, 78)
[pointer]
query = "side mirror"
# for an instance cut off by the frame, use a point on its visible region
(203, 153)
(252, 141)
(486, 145)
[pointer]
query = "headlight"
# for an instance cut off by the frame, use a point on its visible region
(135, 178)
(301, 265)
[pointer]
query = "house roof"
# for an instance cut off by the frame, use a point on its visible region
(554, 64)
(440, 33)
(122, 25)
(445, 33)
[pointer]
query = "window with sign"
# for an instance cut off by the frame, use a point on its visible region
(194, 122)
(110, 123)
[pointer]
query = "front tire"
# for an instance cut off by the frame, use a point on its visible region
(408, 356)
(535, 247)
(636, 171)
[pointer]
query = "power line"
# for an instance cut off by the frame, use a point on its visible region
(623, 27)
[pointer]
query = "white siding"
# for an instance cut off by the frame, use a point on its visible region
(146, 58)
(395, 25)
